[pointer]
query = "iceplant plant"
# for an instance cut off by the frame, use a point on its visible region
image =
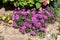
(30, 21)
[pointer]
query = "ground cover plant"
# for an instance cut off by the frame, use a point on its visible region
(31, 16)
(32, 21)
(27, 3)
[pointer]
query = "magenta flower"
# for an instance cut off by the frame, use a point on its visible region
(24, 13)
(17, 17)
(24, 17)
(33, 28)
(34, 20)
(45, 17)
(14, 24)
(43, 29)
(34, 9)
(48, 13)
(33, 13)
(52, 15)
(45, 3)
(28, 11)
(43, 9)
(41, 12)
(29, 25)
(13, 17)
(15, 12)
(18, 12)
(33, 33)
(18, 8)
(53, 20)
(15, 9)
(25, 23)
(48, 7)
(38, 25)
(40, 16)
(23, 31)
(45, 24)
(23, 27)
(29, 20)
(42, 20)
(36, 15)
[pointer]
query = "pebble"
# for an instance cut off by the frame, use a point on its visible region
(58, 37)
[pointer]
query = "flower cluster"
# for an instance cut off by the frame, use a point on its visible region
(30, 20)
(6, 18)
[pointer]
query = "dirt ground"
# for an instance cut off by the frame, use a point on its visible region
(10, 33)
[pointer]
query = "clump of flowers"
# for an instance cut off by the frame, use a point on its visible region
(6, 18)
(31, 21)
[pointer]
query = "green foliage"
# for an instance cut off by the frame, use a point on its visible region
(4, 1)
(55, 8)
(28, 30)
(25, 3)
(1, 38)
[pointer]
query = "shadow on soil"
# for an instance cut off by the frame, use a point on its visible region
(7, 6)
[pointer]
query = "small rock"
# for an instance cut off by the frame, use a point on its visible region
(58, 37)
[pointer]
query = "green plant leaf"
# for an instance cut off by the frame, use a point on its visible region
(38, 5)
(40, 8)
(25, 3)
(16, 4)
(1, 38)
(41, 0)
(4, 1)
(11, 0)
(31, 5)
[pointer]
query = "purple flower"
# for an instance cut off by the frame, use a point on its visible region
(33, 13)
(29, 20)
(44, 9)
(15, 12)
(29, 25)
(23, 31)
(40, 16)
(37, 25)
(23, 27)
(17, 17)
(28, 11)
(48, 7)
(41, 12)
(14, 24)
(43, 29)
(34, 9)
(25, 23)
(24, 17)
(45, 24)
(24, 13)
(53, 20)
(15, 9)
(33, 28)
(45, 17)
(48, 13)
(42, 20)
(18, 8)
(37, 21)
(36, 15)
(13, 17)
(18, 12)
(34, 20)
(52, 15)
(33, 33)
